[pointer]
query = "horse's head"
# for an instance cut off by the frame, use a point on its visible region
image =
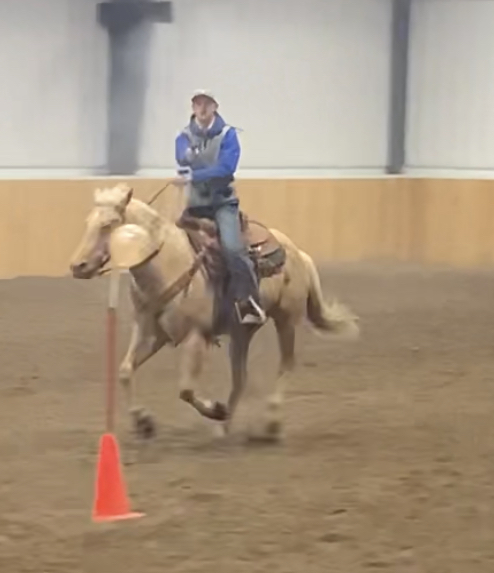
(107, 214)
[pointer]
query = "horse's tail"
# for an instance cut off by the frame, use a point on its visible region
(335, 318)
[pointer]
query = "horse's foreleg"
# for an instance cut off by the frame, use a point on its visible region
(194, 349)
(146, 339)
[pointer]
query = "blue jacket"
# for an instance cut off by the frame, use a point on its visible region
(228, 157)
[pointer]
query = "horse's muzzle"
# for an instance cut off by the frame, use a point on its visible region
(82, 270)
(86, 270)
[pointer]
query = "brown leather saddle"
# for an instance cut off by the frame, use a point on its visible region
(267, 254)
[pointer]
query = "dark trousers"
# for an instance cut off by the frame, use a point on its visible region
(243, 281)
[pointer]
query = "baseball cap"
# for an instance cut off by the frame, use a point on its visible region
(205, 93)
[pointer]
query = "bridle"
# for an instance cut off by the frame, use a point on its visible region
(179, 283)
(104, 270)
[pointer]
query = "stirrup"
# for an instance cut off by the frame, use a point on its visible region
(257, 317)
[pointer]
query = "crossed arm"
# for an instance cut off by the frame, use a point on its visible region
(228, 157)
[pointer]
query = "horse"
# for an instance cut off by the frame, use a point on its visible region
(177, 283)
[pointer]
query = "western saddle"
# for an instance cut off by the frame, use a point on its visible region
(267, 254)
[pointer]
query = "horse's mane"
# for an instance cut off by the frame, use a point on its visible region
(162, 228)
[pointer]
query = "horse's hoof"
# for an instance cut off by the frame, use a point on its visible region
(219, 432)
(219, 412)
(265, 432)
(273, 429)
(145, 426)
(187, 395)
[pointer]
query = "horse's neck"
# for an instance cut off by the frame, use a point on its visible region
(174, 251)
(141, 214)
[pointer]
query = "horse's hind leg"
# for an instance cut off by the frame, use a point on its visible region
(285, 331)
(146, 339)
(240, 339)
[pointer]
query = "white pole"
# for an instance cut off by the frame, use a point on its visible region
(114, 287)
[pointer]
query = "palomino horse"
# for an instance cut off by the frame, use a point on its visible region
(176, 275)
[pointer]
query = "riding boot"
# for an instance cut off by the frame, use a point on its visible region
(244, 289)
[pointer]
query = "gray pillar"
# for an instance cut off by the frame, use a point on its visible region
(129, 25)
(398, 85)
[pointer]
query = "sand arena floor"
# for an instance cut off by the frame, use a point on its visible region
(387, 462)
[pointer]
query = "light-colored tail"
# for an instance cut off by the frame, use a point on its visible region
(334, 319)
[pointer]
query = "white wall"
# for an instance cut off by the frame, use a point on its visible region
(451, 85)
(53, 58)
(307, 80)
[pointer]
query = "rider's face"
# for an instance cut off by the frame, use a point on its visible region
(203, 108)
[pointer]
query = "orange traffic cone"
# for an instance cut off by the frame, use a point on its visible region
(111, 502)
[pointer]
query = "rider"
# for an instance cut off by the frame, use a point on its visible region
(207, 151)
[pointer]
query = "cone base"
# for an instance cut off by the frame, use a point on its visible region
(109, 518)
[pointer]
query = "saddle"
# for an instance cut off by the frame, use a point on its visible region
(267, 254)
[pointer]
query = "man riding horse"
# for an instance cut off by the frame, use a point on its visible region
(207, 152)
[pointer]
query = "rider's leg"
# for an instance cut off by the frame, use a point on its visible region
(244, 285)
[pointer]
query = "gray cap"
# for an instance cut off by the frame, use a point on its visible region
(205, 93)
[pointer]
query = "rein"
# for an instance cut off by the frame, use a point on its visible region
(158, 193)
(179, 284)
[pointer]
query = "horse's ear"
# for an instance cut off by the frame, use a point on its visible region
(126, 194)
(129, 195)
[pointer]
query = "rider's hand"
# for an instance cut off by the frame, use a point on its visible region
(179, 181)
(184, 176)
